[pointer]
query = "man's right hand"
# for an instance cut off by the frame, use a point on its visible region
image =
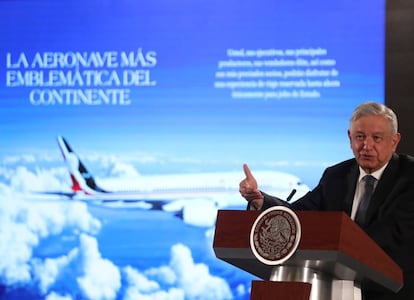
(249, 190)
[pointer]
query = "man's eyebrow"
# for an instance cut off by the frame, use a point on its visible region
(374, 133)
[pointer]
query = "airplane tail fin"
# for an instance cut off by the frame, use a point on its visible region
(82, 180)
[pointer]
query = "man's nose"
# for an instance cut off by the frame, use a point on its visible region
(368, 142)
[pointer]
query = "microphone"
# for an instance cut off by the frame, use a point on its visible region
(292, 193)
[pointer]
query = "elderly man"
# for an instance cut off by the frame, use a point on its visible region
(375, 188)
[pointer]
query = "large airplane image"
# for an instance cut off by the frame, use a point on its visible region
(194, 197)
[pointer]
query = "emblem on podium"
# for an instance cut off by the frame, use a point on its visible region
(275, 235)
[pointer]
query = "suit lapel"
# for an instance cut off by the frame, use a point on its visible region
(351, 181)
(385, 184)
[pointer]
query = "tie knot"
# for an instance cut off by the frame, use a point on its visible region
(369, 179)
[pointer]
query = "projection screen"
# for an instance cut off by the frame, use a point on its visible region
(125, 125)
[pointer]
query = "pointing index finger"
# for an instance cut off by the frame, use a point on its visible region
(247, 172)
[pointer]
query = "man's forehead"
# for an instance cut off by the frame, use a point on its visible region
(365, 126)
(370, 122)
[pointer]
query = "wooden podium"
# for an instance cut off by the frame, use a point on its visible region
(334, 258)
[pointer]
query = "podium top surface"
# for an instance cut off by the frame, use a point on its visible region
(331, 242)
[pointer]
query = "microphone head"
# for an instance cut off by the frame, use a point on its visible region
(292, 193)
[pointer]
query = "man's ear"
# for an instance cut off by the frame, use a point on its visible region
(396, 140)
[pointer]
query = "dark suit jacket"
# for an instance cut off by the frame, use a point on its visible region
(390, 215)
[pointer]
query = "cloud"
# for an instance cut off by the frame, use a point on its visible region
(47, 271)
(100, 278)
(24, 222)
(22, 179)
(111, 166)
(180, 279)
(84, 272)
(139, 287)
(196, 279)
(81, 270)
(56, 296)
(13, 159)
(123, 170)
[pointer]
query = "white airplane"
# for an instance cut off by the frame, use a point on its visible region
(194, 197)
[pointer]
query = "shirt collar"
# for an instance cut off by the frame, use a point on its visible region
(377, 174)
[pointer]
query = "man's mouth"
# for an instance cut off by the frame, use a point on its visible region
(367, 157)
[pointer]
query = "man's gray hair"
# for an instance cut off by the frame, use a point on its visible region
(372, 108)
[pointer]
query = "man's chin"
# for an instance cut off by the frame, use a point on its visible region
(367, 165)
